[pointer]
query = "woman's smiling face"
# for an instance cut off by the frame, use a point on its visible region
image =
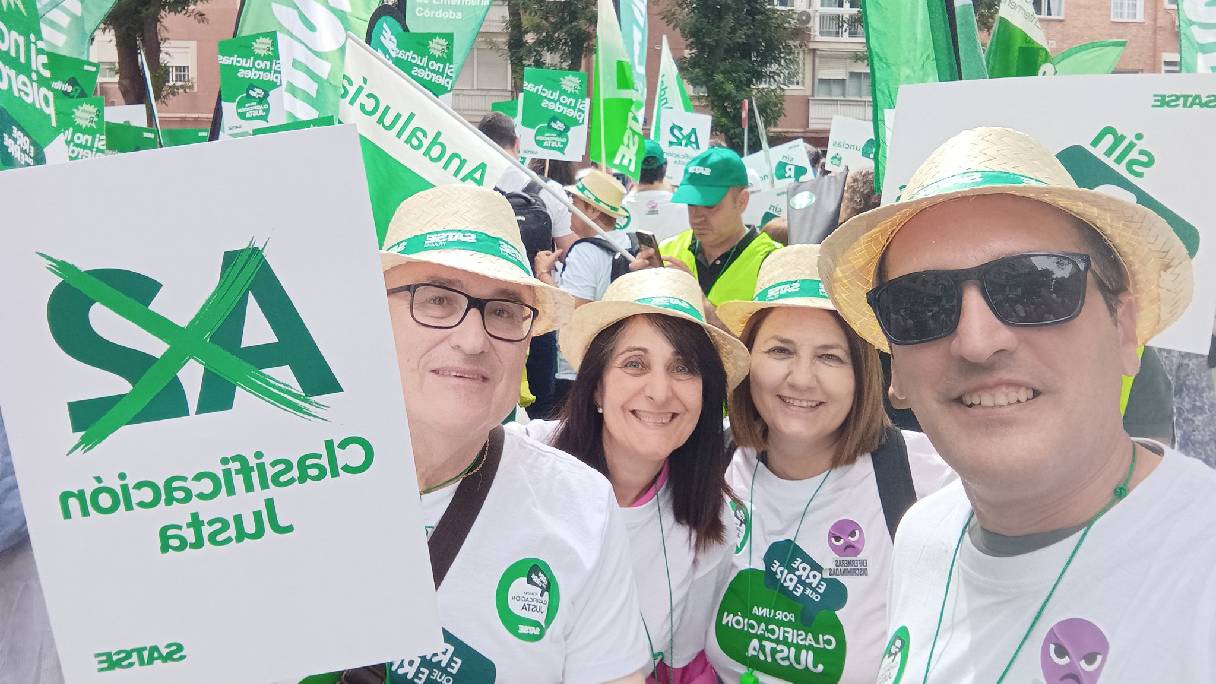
(650, 396)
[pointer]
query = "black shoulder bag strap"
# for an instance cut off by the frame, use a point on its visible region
(893, 476)
(447, 537)
(532, 189)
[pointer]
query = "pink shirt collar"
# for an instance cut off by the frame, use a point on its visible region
(653, 490)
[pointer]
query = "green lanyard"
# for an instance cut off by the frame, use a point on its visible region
(671, 610)
(1119, 493)
(750, 677)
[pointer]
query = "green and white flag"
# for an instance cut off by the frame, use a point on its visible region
(1096, 58)
(83, 134)
(1197, 36)
(424, 57)
(553, 114)
(251, 84)
(68, 25)
(669, 92)
(411, 141)
(72, 77)
(27, 101)
(312, 43)
(633, 33)
(902, 50)
(122, 138)
(970, 52)
(461, 18)
(176, 137)
(1018, 46)
(616, 109)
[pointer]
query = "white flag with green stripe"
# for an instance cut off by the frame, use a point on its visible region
(669, 92)
(411, 141)
(1018, 46)
(1197, 36)
(68, 25)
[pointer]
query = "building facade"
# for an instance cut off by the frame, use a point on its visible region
(1150, 28)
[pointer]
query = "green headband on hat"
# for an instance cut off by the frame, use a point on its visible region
(589, 195)
(792, 289)
(673, 304)
(462, 239)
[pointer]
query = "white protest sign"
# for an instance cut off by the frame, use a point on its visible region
(205, 415)
(684, 136)
(764, 201)
(850, 143)
(1140, 137)
(790, 164)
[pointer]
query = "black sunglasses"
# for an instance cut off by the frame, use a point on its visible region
(1040, 288)
(443, 307)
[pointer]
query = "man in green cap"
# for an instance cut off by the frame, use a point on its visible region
(649, 202)
(719, 250)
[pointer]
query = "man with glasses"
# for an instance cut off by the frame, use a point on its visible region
(1013, 303)
(528, 553)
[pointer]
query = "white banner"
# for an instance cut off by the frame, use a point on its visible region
(684, 136)
(1140, 137)
(203, 405)
(850, 144)
(790, 163)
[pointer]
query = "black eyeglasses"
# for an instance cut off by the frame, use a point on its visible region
(439, 306)
(1042, 288)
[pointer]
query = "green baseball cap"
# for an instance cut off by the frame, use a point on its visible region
(709, 176)
(653, 157)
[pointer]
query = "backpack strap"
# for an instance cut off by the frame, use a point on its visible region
(597, 241)
(620, 265)
(447, 537)
(893, 475)
(532, 189)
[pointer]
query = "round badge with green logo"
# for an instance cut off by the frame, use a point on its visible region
(802, 200)
(527, 599)
(743, 524)
(894, 658)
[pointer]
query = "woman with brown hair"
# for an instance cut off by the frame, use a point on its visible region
(645, 410)
(822, 481)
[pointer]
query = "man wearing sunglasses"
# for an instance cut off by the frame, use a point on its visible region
(1013, 303)
(528, 555)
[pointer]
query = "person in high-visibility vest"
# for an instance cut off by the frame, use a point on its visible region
(722, 253)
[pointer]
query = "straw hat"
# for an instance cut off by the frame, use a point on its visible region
(474, 230)
(991, 161)
(603, 191)
(666, 291)
(788, 277)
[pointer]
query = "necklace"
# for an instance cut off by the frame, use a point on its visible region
(749, 677)
(471, 468)
(671, 610)
(1117, 495)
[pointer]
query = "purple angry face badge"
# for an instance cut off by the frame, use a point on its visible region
(1074, 650)
(845, 538)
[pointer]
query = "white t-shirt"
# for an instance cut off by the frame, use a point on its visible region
(514, 180)
(542, 589)
(586, 275)
(653, 211)
(1137, 604)
(660, 551)
(842, 555)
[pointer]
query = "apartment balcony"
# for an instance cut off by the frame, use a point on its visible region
(842, 25)
(822, 110)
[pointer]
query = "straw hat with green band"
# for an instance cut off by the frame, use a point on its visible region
(788, 277)
(474, 230)
(992, 161)
(602, 191)
(666, 291)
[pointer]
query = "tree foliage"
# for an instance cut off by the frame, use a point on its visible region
(985, 13)
(736, 50)
(543, 33)
(136, 22)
